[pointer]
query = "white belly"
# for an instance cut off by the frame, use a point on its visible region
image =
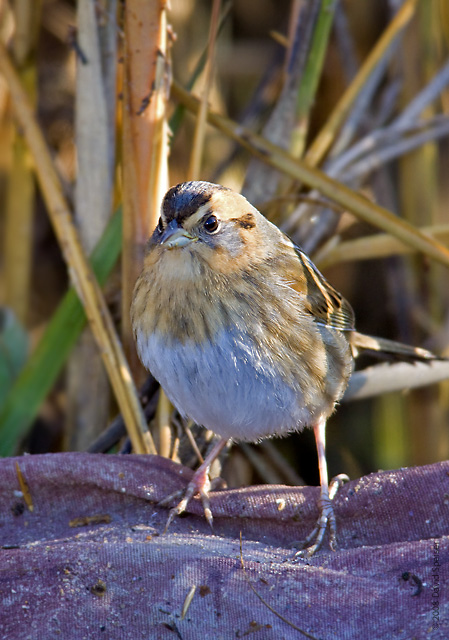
(230, 387)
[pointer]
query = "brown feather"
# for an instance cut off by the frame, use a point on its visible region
(382, 345)
(326, 304)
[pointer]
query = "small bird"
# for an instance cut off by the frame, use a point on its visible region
(244, 334)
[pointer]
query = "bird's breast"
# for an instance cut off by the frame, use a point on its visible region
(238, 355)
(226, 385)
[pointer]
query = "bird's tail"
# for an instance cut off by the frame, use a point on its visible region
(397, 350)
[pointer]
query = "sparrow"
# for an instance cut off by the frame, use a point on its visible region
(244, 334)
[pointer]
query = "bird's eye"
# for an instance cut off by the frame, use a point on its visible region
(211, 224)
(160, 225)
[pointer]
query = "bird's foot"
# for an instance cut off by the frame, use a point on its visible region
(326, 521)
(199, 484)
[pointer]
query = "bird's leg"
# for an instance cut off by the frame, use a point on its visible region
(200, 483)
(327, 493)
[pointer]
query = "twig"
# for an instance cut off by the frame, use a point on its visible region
(380, 245)
(435, 128)
(280, 462)
(265, 603)
(424, 97)
(116, 430)
(359, 109)
(25, 489)
(268, 474)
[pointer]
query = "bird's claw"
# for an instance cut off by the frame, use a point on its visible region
(325, 521)
(199, 484)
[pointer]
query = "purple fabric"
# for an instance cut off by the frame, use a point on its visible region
(118, 577)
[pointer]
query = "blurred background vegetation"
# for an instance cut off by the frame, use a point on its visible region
(90, 133)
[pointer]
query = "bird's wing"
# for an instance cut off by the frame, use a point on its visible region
(327, 306)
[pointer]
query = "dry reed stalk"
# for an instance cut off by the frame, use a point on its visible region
(88, 394)
(18, 238)
(311, 76)
(144, 153)
(325, 138)
(144, 142)
(380, 245)
(423, 54)
(80, 270)
(201, 120)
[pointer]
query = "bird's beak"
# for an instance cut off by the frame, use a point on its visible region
(175, 236)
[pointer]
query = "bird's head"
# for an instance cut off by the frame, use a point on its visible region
(210, 223)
